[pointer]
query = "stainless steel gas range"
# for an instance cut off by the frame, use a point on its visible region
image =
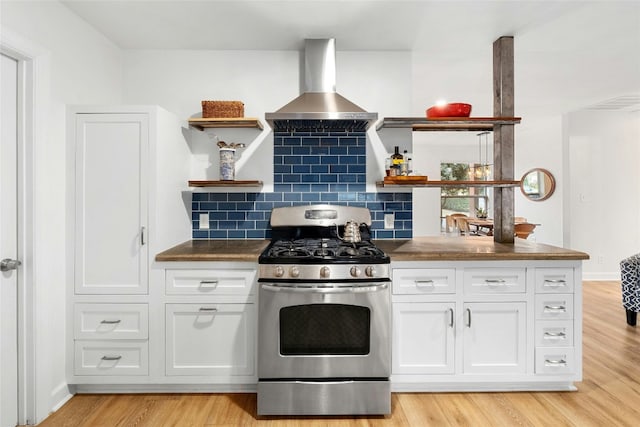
(324, 344)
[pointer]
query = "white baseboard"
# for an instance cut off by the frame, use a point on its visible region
(601, 276)
(59, 396)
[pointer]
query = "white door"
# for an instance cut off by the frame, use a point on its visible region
(8, 244)
(495, 337)
(423, 338)
(111, 203)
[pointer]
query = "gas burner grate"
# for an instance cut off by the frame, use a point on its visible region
(324, 249)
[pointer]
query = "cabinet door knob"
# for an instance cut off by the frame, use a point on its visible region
(143, 240)
(9, 264)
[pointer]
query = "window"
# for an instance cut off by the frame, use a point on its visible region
(465, 200)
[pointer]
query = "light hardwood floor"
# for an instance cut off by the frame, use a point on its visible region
(609, 394)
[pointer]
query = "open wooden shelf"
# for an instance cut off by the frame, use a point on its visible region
(452, 184)
(225, 183)
(239, 122)
(473, 124)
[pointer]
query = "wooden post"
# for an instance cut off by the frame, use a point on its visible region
(503, 139)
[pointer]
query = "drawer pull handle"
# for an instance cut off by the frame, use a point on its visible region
(555, 308)
(111, 358)
(554, 282)
(468, 317)
(110, 322)
(560, 362)
(423, 283)
(210, 309)
(209, 282)
(450, 310)
(495, 281)
(555, 335)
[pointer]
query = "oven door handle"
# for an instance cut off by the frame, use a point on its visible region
(326, 290)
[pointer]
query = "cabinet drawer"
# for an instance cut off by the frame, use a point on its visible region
(111, 358)
(494, 280)
(424, 281)
(554, 280)
(555, 360)
(554, 333)
(111, 321)
(210, 339)
(210, 282)
(554, 306)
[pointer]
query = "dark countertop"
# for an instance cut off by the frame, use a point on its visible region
(472, 248)
(434, 248)
(215, 250)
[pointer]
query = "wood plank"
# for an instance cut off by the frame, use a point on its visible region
(503, 138)
(231, 122)
(234, 183)
(446, 123)
(492, 183)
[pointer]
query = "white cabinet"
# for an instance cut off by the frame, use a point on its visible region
(111, 358)
(486, 325)
(493, 281)
(423, 338)
(111, 321)
(210, 339)
(111, 209)
(495, 337)
(130, 164)
(210, 282)
(128, 168)
(110, 339)
(557, 321)
(210, 323)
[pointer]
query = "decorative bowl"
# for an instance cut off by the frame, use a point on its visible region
(456, 109)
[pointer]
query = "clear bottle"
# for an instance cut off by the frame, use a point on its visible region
(404, 166)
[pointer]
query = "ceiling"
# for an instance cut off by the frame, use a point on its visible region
(284, 24)
(573, 43)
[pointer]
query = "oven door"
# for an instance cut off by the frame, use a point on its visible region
(309, 331)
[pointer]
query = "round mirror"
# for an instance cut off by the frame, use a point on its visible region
(537, 184)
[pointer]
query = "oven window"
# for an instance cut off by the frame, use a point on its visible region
(321, 329)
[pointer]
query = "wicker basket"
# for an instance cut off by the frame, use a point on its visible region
(216, 109)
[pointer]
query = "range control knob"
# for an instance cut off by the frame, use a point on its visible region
(370, 271)
(278, 271)
(355, 271)
(325, 272)
(294, 272)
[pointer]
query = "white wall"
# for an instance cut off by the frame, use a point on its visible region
(82, 67)
(264, 81)
(603, 212)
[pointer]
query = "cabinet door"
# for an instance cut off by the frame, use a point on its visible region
(111, 203)
(423, 338)
(210, 339)
(495, 337)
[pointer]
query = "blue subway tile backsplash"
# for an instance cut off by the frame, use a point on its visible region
(309, 168)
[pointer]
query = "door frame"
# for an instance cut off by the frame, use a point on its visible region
(33, 73)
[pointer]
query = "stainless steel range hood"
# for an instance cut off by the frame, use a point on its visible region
(320, 107)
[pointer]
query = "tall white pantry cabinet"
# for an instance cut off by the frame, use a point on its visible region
(127, 168)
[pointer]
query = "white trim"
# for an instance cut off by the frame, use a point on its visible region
(34, 78)
(600, 276)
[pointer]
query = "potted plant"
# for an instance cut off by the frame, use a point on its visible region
(481, 213)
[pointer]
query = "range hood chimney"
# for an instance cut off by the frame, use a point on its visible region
(320, 107)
